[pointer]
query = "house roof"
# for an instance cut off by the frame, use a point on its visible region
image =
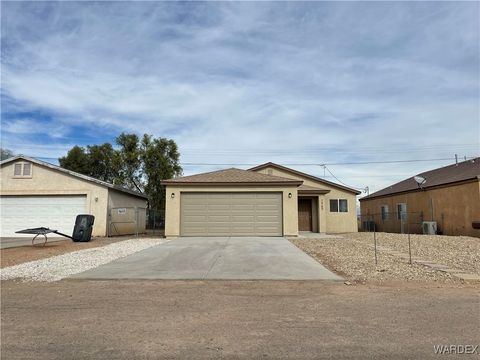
(311, 177)
(232, 176)
(73, 173)
(463, 171)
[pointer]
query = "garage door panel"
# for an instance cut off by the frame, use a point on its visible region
(218, 207)
(243, 207)
(218, 218)
(267, 219)
(196, 218)
(55, 212)
(243, 219)
(192, 207)
(225, 214)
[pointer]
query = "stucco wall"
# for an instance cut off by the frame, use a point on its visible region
(123, 220)
(172, 207)
(330, 222)
(459, 205)
(45, 181)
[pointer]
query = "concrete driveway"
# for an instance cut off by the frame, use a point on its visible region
(10, 242)
(241, 258)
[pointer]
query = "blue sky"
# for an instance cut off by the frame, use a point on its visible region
(241, 83)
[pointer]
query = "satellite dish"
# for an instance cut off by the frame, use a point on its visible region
(420, 180)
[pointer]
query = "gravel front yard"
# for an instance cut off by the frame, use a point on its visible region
(58, 267)
(352, 256)
(459, 252)
(17, 255)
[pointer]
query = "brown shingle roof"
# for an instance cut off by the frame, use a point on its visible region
(466, 170)
(231, 177)
(262, 166)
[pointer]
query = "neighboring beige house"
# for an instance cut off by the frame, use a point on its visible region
(448, 196)
(267, 200)
(34, 193)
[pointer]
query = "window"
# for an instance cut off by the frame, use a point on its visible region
(338, 205)
(26, 169)
(333, 205)
(22, 169)
(385, 214)
(401, 211)
(18, 170)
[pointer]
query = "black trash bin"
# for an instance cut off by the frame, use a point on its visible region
(82, 232)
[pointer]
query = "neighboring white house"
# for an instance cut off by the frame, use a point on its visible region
(35, 193)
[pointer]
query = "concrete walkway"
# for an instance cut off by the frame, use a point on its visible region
(242, 258)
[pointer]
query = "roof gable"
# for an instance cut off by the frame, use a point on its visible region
(463, 171)
(302, 174)
(230, 177)
(72, 173)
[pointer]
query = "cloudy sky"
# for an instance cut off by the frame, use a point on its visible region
(245, 83)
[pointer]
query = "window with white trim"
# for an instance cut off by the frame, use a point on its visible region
(338, 205)
(22, 170)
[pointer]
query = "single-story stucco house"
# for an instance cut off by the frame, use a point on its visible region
(448, 197)
(35, 193)
(267, 200)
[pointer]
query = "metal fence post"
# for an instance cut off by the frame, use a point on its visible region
(153, 227)
(409, 245)
(109, 225)
(375, 243)
(136, 221)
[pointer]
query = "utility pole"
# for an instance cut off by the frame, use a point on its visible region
(323, 166)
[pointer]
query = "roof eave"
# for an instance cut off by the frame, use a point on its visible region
(313, 192)
(220, 183)
(373, 196)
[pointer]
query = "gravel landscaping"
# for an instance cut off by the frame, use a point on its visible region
(58, 267)
(22, 254)
(459, 252)
(352, 256)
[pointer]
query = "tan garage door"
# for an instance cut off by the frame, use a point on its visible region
(231, 214)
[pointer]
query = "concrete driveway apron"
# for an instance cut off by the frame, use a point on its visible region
(240, 258)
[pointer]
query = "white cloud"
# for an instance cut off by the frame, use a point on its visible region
(252, 82)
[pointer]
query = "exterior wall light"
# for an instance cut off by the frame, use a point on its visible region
(96, 198)
(173, 195)
(289, 195)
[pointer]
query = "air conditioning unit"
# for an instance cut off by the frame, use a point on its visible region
(429, 227)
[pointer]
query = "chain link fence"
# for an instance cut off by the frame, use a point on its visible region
(396, 222)
(155, 222)
(135, 221)
(127, 221)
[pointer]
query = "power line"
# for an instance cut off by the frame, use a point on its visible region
(302, 164)
(325, 164)
(341, 182)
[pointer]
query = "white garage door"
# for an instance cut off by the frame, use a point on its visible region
(231, 214)
(54, 212)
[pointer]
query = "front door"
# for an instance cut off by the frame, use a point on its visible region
(305, 214)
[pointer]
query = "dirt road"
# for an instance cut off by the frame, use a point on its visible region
(247, 319)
